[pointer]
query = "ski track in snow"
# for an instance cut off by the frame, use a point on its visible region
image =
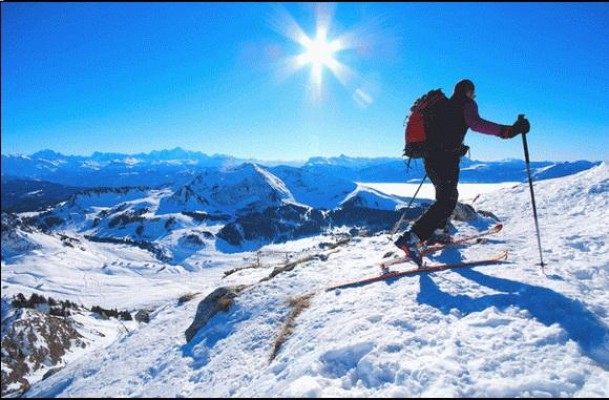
(491, 331)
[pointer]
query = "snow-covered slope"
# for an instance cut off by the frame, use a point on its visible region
(507, 330)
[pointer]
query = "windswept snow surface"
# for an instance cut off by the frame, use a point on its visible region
(507, 330)
(467, 191)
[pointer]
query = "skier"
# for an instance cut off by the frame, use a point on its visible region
(442, 163)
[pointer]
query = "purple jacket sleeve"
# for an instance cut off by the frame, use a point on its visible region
(473, 120)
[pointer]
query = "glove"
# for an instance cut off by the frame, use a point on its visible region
(521, 125)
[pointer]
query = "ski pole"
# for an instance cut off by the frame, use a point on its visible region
(397, 225)
(526, 156)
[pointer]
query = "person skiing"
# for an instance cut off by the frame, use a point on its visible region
(441, 161)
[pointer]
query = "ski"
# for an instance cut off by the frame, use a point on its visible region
(496, 259)
(437, 247)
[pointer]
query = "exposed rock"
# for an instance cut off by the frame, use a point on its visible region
(143, 315)
(464, 212)
(219, 300)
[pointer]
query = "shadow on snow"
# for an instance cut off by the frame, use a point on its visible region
(545, 305)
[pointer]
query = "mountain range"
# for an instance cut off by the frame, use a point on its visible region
(177, 166)
(234, 209)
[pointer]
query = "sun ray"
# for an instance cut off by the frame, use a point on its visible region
(283, 22)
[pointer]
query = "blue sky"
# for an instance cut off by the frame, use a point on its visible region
(216, 77)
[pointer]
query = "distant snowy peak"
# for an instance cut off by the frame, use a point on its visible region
(248, 187)
(366, 197)
(177, 166)
(321, 191)
(177, 153)
(48, 154)
(346, 161)
(46, 161)
(174, 156)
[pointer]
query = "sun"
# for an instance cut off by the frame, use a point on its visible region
(321, 51)
(318, 53)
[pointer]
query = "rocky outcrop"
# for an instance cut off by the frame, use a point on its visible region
(464, 212)
(219, 300)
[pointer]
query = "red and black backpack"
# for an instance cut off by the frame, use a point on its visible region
(423, 122)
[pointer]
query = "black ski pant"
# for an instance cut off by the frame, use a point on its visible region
(443, 170)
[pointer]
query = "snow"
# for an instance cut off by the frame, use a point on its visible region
(467, 191)
(509, 330)
(364, 196)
